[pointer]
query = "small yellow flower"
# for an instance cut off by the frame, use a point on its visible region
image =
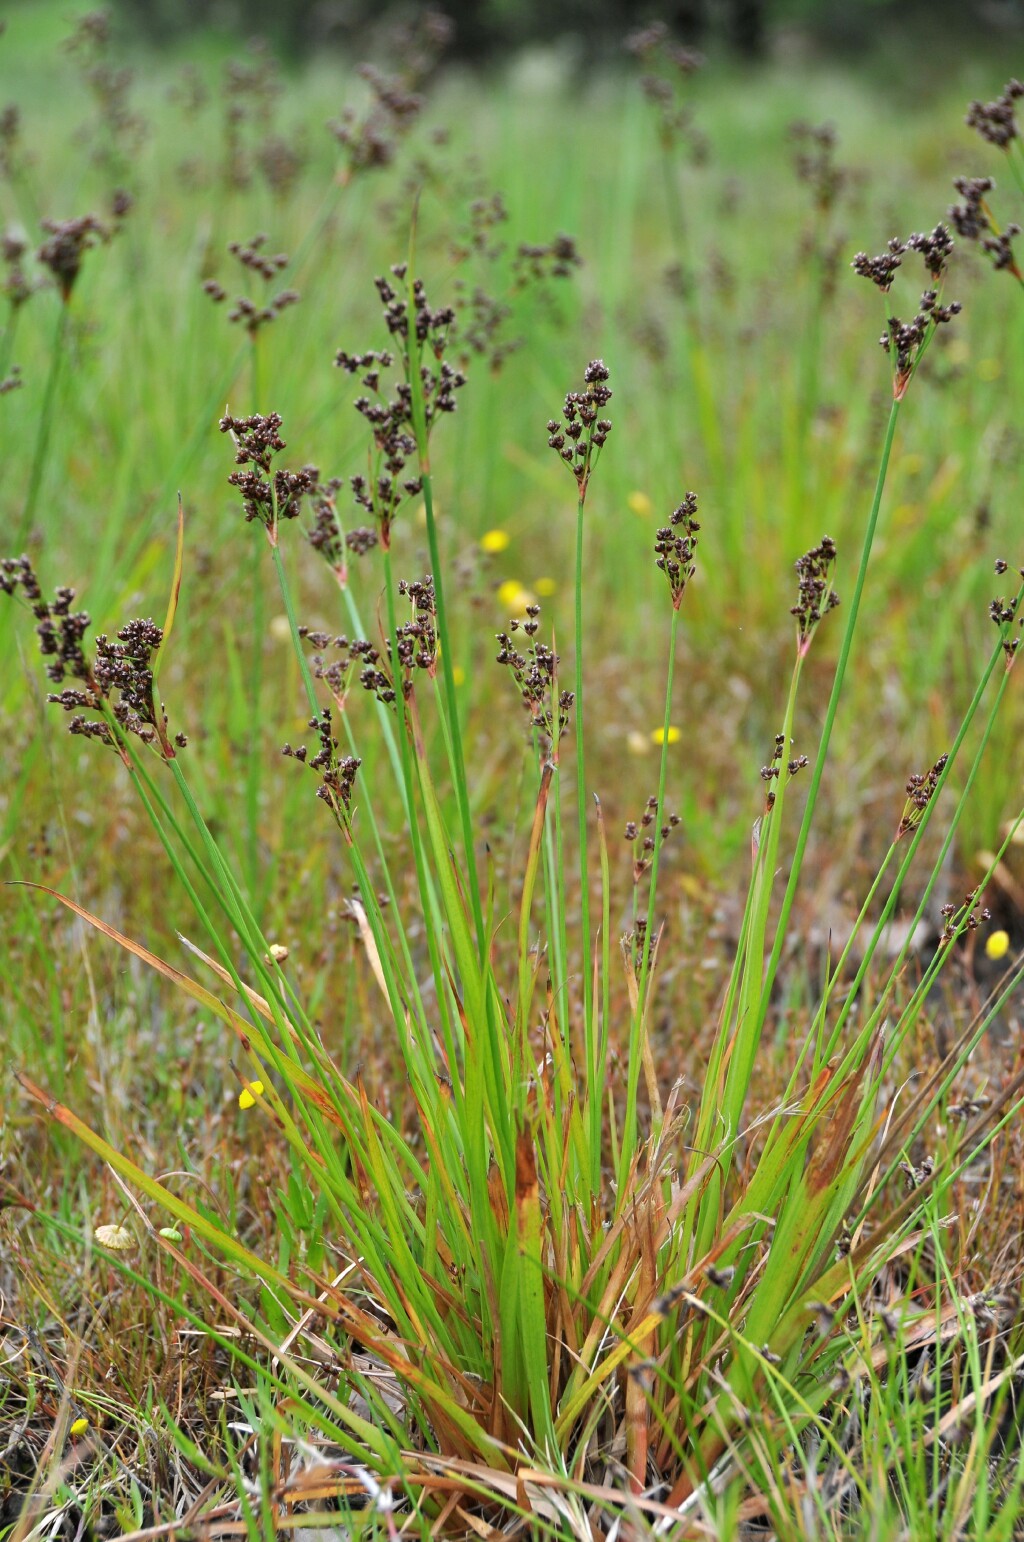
(998, 945)
(514, 596)
(658, 735)
(545, 586)
(80, 1426)
(458, 674)
(249, 1093)
(495, 541)
(118, 1238)
(640, 504)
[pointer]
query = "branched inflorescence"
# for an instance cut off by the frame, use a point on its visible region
(1004, 613)
(16, 288)
(772, 772)
(921, 788)
(535, 672)
(416, 645)
(66, 245)
(906, 341)
(640, 835)
(676, 548)
(10, 137)
(337, 772)
(972, 220)
(327, 536)
(251, 86)
(267, 497)
(415, 648)
(997, 121)
(370, 141)
(535, 264)
(668, 67)
(580, 437)
(117, 685)
(816, 165)
(391, 416)
(967, 919)
(91, 44)
(357, 658)
(255, 259)
(815, 595)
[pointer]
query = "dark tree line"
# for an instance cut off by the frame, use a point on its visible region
(486, 28)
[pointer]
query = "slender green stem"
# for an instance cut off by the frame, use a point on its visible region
(428, 897)
(253, 747)
(452, 707)
(7, 341)
(289, 610)
(830, 715)
(581, 809)
(697, 359)
(595, 1092)
(419, 417)
(45, 425)
(638, 1026)
(680, 236)
(380, 931)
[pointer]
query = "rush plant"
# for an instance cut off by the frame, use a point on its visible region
(501, 1291)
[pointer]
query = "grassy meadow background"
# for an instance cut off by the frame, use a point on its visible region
(778, 430)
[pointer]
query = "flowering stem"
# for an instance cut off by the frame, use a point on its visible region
(830, 715)
(45, 425)
(581, 808)
(458, 766)
(314, 707)
(7, 341)
(289, 610)
(638, 1026)
(253, 756)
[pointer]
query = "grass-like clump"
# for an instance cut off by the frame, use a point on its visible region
(523, 1212)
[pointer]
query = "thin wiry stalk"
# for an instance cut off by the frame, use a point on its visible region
(638, 1026)
(46, 416)
(845, 650)
(581, 801)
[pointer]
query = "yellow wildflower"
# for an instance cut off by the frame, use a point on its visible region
(998, 945)
(545, 586)
(495, 541)
(249, 1093)
(658, 735)
(640, 504)
(80, 1426)
(514, 596)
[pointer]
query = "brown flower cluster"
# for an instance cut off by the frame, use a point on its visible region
(117, 687)
(582, 434)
